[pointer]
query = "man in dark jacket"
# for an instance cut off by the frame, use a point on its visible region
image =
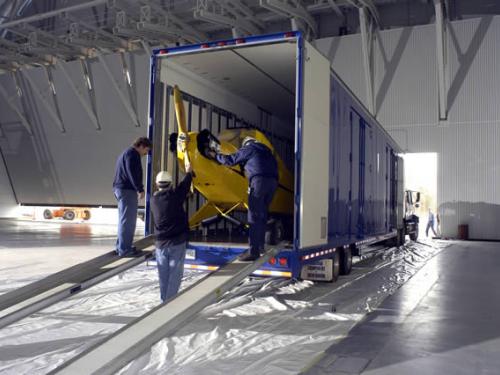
(261, 170)
(128, 189)
(171, 230)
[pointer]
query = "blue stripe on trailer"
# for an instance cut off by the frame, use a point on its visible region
(298, 138)
(147, 219)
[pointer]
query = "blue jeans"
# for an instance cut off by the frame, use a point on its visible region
(430, 225)
(127, 219)
(170, 261)
(260, 195)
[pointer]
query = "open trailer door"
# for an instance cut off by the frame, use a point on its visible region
(314, 138)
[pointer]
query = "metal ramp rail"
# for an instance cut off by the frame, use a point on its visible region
(114, 352)
(36, 296)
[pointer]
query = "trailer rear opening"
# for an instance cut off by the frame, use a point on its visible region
(347, 175)
(235, 88)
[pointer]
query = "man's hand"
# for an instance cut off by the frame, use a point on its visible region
(182, 141)
(189, 168)
(140, 195)
(212, 154)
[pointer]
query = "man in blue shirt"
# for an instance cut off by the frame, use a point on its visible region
(261, 169)
(430, 224)
(128, 189)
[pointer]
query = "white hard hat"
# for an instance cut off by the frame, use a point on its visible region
(163, 176)
(247, 140)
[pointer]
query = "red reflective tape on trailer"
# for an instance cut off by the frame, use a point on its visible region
(205, 45)
(221, 44)
(163, 52)
(240, 41)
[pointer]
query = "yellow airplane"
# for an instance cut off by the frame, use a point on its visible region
(224, 188)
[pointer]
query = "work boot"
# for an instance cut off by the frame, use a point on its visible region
(134, 253)
(249, 256)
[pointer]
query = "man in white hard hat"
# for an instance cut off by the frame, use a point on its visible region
(171, 230)
(261, 169)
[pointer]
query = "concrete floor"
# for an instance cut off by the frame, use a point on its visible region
(31, 250)
(445, 320)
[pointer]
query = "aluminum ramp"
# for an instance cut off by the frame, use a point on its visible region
(33, 297)
(113, 353)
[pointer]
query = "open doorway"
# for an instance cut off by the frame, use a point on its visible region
(421, 175)
(228, 94)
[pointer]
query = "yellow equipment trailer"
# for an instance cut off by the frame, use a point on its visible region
(224, 188)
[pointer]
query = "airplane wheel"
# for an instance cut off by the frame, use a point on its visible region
(47, 214)
(69, 215)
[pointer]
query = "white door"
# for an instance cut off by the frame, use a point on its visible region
(315, 163)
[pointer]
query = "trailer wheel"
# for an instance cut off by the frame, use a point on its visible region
(414, 235)
(345, 260)
(47, 214)
(335, 266)
(69, 215)
(401, 237)
(86, 215)
(276, 232)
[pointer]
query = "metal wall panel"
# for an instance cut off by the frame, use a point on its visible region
(467, 143)
(474, 57)
(400, 97)
(347, 59)
(77, 166)
(7, 201)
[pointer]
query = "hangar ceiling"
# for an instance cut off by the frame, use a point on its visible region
(34, 33)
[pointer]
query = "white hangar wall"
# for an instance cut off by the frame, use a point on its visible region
(77, 166)
(406, 103)
(7, 199)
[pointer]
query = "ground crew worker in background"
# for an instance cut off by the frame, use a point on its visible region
(171, 230)
(430, 224)
(261, 169)
(128, 189)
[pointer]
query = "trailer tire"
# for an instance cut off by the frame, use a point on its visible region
(345, 260)
(47, 214)
(69, 215)
(276, 232)
(335, 266)
(414, 235)
(401, 237)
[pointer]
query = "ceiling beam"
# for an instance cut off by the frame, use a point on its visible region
(291, 11)
(194, 34)
(225, 16)
(42, 16)
(370, 6)
(367, 48)
(122, 43)
(335, 7)
(441, 58)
